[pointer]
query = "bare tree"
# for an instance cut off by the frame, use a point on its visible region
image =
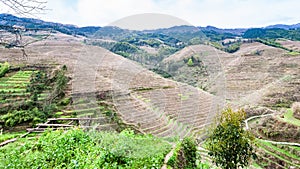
(21, 7)
(26, 7)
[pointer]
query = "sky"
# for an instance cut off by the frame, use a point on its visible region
(219, 13)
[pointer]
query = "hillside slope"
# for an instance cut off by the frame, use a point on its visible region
(142, 98)
(255, 74)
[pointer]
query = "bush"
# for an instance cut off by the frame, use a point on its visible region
(185, 154)
(20, 116)
(229, 145)
(4, 68)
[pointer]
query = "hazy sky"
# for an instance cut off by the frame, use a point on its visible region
(219, 13)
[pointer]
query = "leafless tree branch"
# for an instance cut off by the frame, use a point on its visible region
(17, 41)
(26, 7)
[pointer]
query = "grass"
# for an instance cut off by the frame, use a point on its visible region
(286, 153)
(294, 53)
(7, 136)
(16, 84)
(12, 90)
(289, 118)
(279, 157)
(256, 165)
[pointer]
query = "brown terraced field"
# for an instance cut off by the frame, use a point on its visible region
(256, 74)
(252, 75)
(141, 98)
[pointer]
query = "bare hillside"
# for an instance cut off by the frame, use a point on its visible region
(142, 98)
(255, 74)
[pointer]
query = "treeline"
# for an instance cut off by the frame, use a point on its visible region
(274, 33)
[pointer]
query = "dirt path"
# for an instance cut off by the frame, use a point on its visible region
(168, 156)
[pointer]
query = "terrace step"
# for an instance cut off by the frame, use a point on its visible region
(54, 125)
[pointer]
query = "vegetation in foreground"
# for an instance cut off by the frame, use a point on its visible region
(229, 145)
(78, 149)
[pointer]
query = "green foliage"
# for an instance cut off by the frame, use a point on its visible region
(185, 154)
(124, 47)
(4, 68)
(7, 136)
(273, 43)
(65, 101)
(21, 116)
(217, 45)
(273, 33)
(289, 118)
(77, 149)
(229, 144)
(37, 85)
(216, 36)
(233, 47)
(190, 148)
(294, 53)
(161, 72)
(33, 109)
(60, 81)
(190, 62)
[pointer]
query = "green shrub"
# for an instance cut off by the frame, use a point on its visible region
(20, 116)
(185, 154)
(65, 101)
(4, 68)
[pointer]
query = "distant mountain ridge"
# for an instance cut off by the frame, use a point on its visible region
(283, 26)
(10, 20)
(108, 31)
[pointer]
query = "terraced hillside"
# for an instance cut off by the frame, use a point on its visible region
(263, 73)
(255, 74)
(133, 91)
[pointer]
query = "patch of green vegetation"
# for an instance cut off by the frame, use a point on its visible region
(184, 155)
(232, 47)
(278, 156)
(217, 45)
(256, 166)
(286, 153)
(183, 97)
(282, 103)
(4, 68)
(273, 43)
(289, 118)
(59, 113)
(161, 72)
(7, 136)
(32, 105)
(272, 33)
(294, 53)
(229, 145)
(20, 116)
(143, 89)
(78, 149)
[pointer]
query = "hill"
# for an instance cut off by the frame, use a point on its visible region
(30, 23)
(169, 83)
(142, 99)
(255, 70)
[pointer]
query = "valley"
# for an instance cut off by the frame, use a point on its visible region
(167, 84)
